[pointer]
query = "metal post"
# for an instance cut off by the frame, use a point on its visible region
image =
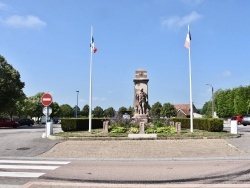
(212, 100)
(46, 120)
(90, 80)
(76, 102)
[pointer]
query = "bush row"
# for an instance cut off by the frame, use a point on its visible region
(208, 124)
(80, 124)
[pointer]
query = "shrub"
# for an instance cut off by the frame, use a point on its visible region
(119, 130)
(166, 129)
(149, 130)
(215, 125)
(159, 122)
(208, 124)
(79, 124)
(134, 130)
(118, 121)
(68, 124)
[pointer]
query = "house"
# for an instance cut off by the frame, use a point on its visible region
(183, 110)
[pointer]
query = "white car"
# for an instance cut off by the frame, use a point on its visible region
(246, 120)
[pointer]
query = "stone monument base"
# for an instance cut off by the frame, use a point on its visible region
(141, 118)
(142, 136)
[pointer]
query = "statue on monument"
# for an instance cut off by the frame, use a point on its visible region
(142, 99)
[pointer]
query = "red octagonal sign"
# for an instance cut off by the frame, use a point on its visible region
(46, 99)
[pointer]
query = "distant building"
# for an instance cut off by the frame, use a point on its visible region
(126, 114)
(183, 110)
(196, 115)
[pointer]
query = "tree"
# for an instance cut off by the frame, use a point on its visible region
(156, 110)
(230, 102)
(34, 106)
(121, 110)
(66, 111)
(109, 112)
(85, 111)
(55, 110)
(10, 85)
(78, 110)
(224, 102)
(248, 106)
(19, 108)
(207, 109)
(168, 110)
(98, 112)
(241, 96)
(130, 108)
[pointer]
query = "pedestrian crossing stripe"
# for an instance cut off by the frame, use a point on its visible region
(21, 174)
(35, 162)
(28, 165)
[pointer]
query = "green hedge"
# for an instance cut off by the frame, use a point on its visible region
(208, 124)
(80, 124)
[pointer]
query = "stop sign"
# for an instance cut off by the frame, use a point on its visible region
(46, 99)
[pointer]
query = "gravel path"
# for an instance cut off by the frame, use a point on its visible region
(144, 149)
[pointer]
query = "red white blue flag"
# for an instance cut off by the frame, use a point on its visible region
(188, 39)
(92, 45)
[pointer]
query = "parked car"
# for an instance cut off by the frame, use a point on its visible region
(28, 122)
(238, 118)
(246, 120)
(6, 122)
(43, 119)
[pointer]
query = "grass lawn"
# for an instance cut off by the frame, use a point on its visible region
(185, 134)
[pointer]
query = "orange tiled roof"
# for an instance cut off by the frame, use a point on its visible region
(185, 108)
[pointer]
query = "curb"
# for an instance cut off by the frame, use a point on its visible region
(52, 137)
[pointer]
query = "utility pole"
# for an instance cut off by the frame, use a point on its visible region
(77, 102)
(212, 100)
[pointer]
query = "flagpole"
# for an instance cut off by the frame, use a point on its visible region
(190, 83)
(90, 83)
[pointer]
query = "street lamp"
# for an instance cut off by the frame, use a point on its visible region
(212, 100)
(77, 92)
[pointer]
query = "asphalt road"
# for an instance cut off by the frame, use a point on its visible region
(28, 142)
(25, 141)
(244, 141)
(141, 172)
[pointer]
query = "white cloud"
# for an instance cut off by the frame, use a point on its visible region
(24, 21)
(176, 21)
(3, 6)
(193, 2)
(226, 73)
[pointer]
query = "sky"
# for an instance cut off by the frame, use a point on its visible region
(48, 42)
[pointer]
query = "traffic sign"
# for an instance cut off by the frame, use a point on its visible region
(47, 110)
(46, 99)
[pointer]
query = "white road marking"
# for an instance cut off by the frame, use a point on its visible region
(21, 174)
(29, 167)
(34, 162)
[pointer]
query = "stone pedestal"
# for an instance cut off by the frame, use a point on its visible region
(105, 126)
(141, 118)
(178, 127)
(142, 127)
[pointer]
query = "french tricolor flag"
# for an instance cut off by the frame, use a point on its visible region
(92, 45)
(188, 39)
